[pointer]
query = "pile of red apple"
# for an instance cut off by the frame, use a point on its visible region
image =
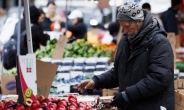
(47, 104)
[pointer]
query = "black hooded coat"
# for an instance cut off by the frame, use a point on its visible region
(144, 70)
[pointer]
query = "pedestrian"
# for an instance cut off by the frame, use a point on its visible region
(77, 26)
(51, 17)
(147, 6)
(38, 37)
(42, 16)
(144, 64)
(170, 21)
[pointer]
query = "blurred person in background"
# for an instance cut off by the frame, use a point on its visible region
(42, 16)
(2, 18)
(114, 27)
(146, 6)
(38, 37)
(2, 22)
(77, 27)
(170, 21)
(50, 17)
(144, 64)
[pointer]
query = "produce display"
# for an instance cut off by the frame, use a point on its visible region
(72, 71)
(11, 71)
(78, 48)
(81, 48)
(48, 51)
(43, 103)
(64, 102)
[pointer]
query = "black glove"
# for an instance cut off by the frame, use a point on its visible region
(119, 101)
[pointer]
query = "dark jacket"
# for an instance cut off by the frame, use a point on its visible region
(170, 21)
(143, 70)
(38, 37)
(46, 24)
(114, 28)
(78, 30)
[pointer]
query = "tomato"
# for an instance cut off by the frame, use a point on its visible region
(20, 107)
(63, 103)
(72, 107)
(61, 107)
(72, 100)
(44, 104)
(29, 108)
(35, 105)
(41, 98)
(72, 96)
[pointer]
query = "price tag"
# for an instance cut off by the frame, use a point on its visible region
(59, 49)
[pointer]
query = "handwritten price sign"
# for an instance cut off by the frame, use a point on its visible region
(59, 49)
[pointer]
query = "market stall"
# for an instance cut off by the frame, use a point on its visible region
(43, 80)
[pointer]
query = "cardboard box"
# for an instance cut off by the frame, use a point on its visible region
(176, 84)
(109, 92)
(8, 84)
(45, 76)
(179, 97)
(180, 83)
(172, 38)
(178, 107)
(65, 89)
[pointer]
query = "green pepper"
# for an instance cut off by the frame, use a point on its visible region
(82, 41)
(69, 47)
(76, 48)
(54, 41)
(91, 51)
(80, 51)
(48, 42)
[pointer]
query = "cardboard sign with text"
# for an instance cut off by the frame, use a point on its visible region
(8, 84)
(45, 76)
(103, 4)
(172, 39)
(60, 46)
(27, 76)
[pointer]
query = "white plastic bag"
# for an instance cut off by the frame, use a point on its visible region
(107, 39)
(8, 29)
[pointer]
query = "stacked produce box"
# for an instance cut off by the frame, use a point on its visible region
(72, 71)
(81, 60)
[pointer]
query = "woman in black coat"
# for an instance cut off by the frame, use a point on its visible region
(38, 37)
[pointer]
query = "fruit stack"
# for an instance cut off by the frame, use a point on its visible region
(64, 102)
(69, 103)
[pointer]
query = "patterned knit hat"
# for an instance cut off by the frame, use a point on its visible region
(130, 10)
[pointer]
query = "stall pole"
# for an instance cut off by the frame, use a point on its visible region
(114, 12)
(19, 92)
(28, 27)
(66, 14)
(29, 44)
